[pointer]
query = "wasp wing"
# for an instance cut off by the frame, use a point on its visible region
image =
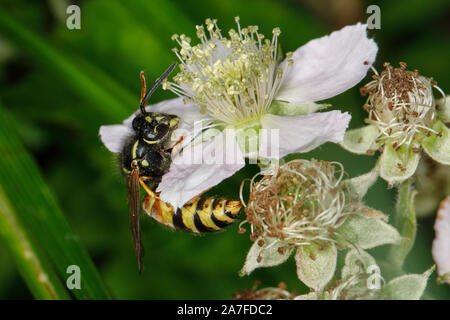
(135, 208)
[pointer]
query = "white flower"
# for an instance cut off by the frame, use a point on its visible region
(238, 83)
(441, 243)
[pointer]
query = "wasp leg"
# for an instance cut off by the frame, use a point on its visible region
(155, 207)
(176, 147)
(151, 197)
(149, 191)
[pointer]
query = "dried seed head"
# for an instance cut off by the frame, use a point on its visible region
(303, 202)
(401, 104)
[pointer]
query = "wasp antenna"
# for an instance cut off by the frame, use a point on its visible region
(158, 81)
(143, 91)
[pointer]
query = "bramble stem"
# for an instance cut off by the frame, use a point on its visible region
(406, 223)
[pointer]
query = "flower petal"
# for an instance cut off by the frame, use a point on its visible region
(199, 167)
(438, 147)
(361, 140)
(441, 242)
(115, 136)
(329, 65)
(397, 166)
(302, 133)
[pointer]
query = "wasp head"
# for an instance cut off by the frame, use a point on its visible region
(155, 127)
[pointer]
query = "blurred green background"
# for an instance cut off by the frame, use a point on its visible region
(57, 86)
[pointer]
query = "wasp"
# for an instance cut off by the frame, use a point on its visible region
(145, 158)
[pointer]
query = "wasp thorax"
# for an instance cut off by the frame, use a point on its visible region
(303, 202)
(401, 104)
(232, 78)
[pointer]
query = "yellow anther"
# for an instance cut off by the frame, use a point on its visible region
(253, 29)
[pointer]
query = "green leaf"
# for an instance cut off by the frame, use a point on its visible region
(397, 166)
(316, 264)
(443, 109)
(32, 263)
(438, 146)
(407, 287)
(37, 209)
(358, 186)
(405, 222)
(282, 108)
(357, 262)
(267, 255)
(366, 232)
(361, 140)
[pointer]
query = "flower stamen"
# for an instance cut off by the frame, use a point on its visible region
(233, 79)
(303, 202)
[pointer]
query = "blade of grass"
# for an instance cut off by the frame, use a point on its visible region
(110, 101)
(162, 18)
(31, 262)
(36, 207)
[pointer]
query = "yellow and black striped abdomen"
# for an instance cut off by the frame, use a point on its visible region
(197, 216)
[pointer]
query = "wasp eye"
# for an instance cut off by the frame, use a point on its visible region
(138, 123)
(156, 133)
